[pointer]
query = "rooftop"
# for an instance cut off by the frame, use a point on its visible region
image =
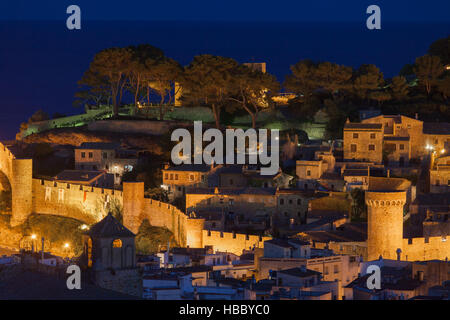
(109, 227)
(78, 175)
(233, 191)
(190, 168)
(300, 272)
(436, 128)
(16, 286)
(363, 126)
(99, 145)
(287, 243)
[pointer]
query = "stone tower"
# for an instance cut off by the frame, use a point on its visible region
(110, 257)
(385, 223)
(22, 190)
(133, 204)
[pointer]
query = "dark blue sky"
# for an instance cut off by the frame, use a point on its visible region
(293, 10)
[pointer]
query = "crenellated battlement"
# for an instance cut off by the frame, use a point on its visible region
(232, 242)
(385, 203)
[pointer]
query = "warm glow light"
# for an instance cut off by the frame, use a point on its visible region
(66, 245)
(33, 236)
(83, 227)
(443, 151)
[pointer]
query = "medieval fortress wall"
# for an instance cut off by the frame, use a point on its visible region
(90, 204)
(385, 231)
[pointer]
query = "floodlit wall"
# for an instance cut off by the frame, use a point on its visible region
(232, 242)
(426, 248)
(84, 203)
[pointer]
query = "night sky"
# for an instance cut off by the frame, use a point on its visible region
(244, 10)
(41, 60)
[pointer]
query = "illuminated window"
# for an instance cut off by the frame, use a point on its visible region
(83, 154)
(371, 147)
(117, 243)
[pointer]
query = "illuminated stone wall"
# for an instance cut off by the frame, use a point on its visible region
(232, 242)
(84, 203)
(385, 223)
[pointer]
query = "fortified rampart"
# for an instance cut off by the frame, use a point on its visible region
(385, 202)
(84, 203)
(89, 204)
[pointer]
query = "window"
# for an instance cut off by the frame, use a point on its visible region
(231, 182)
(371, 147)
(171, 176)
(105, 155)
(373, 136)
(281, 201)
(326, 270)
(448, 182)
(91, 155)
(355, 136)
(402, 147)
(191, 177)
(353, 148)
(336, 268)
(290, 201)
(308, 173)
(176, 176)
(117, 243)
(230, 202)
(166, 176)
(299, 201)
(438, 183)
(83, 154)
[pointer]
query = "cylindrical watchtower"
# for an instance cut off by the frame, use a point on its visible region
(385, 223)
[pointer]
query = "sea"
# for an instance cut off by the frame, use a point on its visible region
(41, 61)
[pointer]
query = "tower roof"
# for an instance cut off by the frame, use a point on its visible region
(109, 227)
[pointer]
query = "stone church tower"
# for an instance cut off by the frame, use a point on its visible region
(110, 257)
